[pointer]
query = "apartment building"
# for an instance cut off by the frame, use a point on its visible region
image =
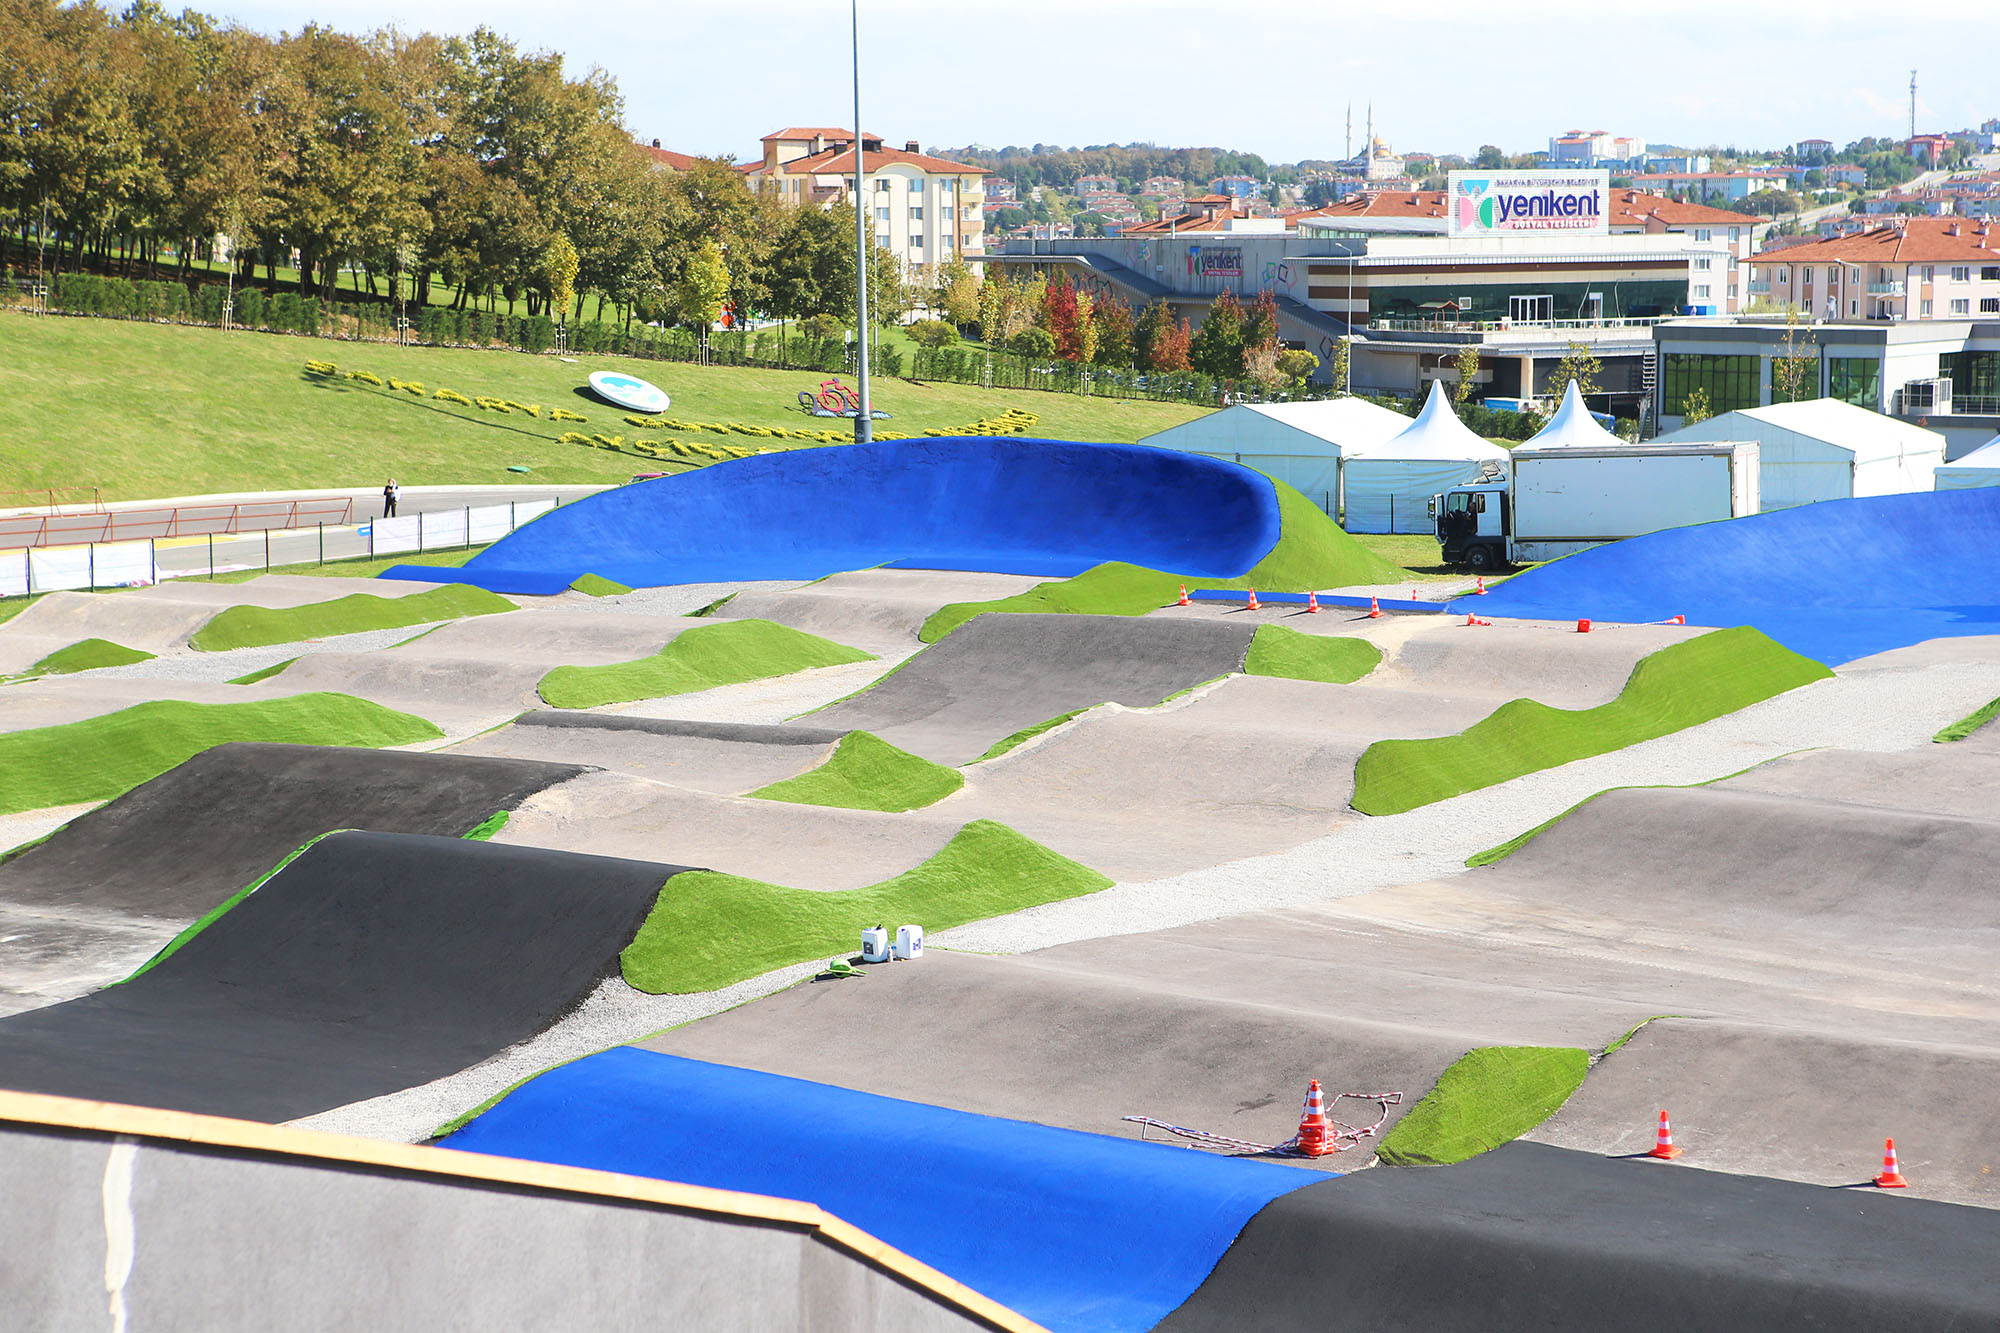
(1589, 148)
(926, 210)
(1905, 270)
(1711, 184)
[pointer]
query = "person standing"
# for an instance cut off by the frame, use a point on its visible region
(390, 494)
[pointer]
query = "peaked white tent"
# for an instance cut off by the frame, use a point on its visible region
(1981, 467)
(1824, 449)
(1572, 427)
(1301, 444)
(1389, 486)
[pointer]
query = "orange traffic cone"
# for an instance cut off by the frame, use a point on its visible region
(1680, 620)
(1471, 620)
(1892, 1175)
(1184, 597)
(1481, 589)
(1583, 627)
(1374, 609)
(1315, 1134)
(1663, 1141)
(1253, 601)
(1414, 597)
(1312, 603)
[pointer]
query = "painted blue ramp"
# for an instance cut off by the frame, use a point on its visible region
(1076, 1231)
(1006, 505)
(1834, 581)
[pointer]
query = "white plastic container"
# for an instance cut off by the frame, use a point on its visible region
(909, 942)
(875, 944)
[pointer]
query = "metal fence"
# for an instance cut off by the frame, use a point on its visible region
(97, 524)
(133, 564)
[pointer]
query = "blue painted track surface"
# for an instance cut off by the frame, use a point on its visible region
(1834, 581)
(1076, 1231)
(1005, 505)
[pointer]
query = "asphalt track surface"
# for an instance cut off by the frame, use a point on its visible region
(102, 893)
(163, 617)
(1000, 505)
(999, 674)
(373, 962)
(1532, 1237)
(722, 758)
(1076, 1231)
(1834, 581)
(880, 610)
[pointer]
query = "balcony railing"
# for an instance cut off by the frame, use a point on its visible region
(1885, 289)
(1514, 325)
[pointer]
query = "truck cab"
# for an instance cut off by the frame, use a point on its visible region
(1472, 526)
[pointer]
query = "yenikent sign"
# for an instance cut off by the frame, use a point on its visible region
(1514, 203)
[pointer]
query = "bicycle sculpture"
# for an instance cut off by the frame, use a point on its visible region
(835, 399)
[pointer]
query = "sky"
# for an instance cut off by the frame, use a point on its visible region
(1273, 77)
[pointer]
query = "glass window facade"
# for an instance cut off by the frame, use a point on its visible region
(1569, 300)
(1856, 380)
(1972, 374)
(1731, 382)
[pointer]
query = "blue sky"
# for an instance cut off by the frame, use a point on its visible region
(1267, 77)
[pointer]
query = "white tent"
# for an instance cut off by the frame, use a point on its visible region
(1825, 449)
(1572, 427)
(1301, 444)
(1981, 467)
(1389, 486)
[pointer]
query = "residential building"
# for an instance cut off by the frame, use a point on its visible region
(1237, 187)
(665, 159)
(1682, 164)
(1711, 184)
(1000, 190)
(1853, 177)
(1162, 187)
(1090, 188)
(1807, 150)
(926, 210)
(1590, 148)
(1908, 269)
(1927, 147)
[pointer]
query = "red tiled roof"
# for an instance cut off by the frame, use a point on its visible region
(1916, 241)
(1189, 222)
(1629, 208)
(667, 157)
(842, 159)
(814, 131)
(1711, 176)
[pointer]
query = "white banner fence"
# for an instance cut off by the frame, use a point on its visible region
(132, 564)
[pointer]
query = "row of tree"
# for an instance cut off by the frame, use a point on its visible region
(144, 142)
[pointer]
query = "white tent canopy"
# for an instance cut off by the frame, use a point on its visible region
(1825, 449)
(1389, 487)
(1981, 467)
(1301, 444)
(1572, 427)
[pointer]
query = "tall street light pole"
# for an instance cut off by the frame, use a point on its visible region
(864, 420)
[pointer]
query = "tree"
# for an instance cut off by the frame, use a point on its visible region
(1262, 325)
(1149, 331)
(1034, 342)
(559, 272)
(1490, 158)
(1466, 364)
(1795, 367)
(1343, 359)
(1111, 319)
(1060, 317)
(1217, 349)
(958, 294)
(1086, 327)
(1174, 350)
(994, 294)
(1297, 365)
(932, 333)
(1694, 407)
(1580, 364)
(1260, 365)
(703, 286)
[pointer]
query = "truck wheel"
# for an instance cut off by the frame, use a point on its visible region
(1479, 559)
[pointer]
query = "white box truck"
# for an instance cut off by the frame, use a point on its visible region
(1553, 502)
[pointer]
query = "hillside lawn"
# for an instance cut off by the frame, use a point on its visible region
(149, 410)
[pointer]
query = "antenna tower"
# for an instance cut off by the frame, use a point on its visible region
(1913, 104)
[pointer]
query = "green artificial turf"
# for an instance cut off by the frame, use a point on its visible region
(14, 606)
(726, 653)
(484, 830)
(1311, 553)
(1334, 659)
(1968, 724)
(262, 673)
(1677, 687)
(1491, 1095)
(259, 627)
(87, 655)
(103, 757)
(147, 410)
(597, 587)
(215, 913)
(865, 772)
(1026, 734)
(710, 930)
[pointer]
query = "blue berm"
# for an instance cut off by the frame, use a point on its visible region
(1833, 581)
(1048, 508)
(1075, 1231)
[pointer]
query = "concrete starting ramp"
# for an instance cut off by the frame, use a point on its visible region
(1001, 505)
(1834, 581)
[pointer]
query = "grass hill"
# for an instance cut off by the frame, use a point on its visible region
(147, 410)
